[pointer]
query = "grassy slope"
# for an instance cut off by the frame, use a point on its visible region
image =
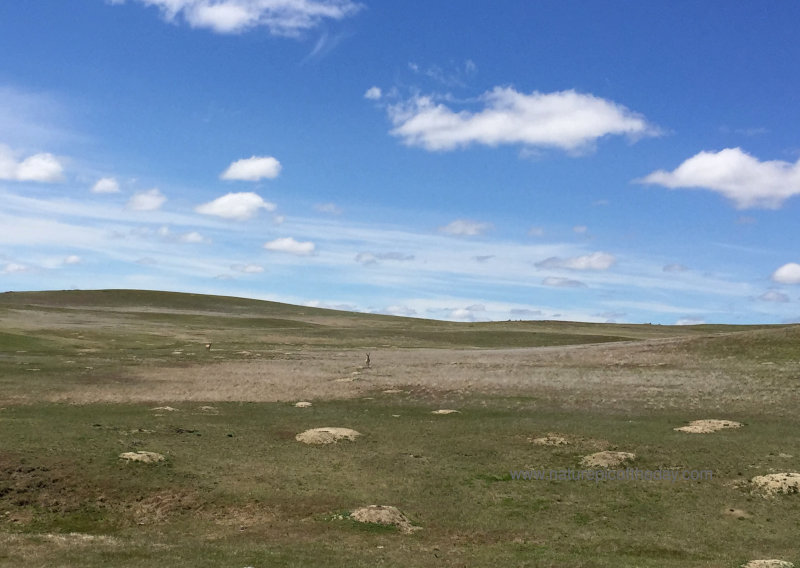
(237, 490)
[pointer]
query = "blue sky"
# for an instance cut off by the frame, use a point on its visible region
(603, 161)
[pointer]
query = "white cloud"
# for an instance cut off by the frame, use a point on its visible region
(773, 296)
(366, 258)
(369, 258)
(248, 268)
(465, 227)
(690, 321)
(291, 246)
(286, 18)
(193, 237)
(13, 267)
(403, 311)
(558, 282)
(236, 206)
(73, 259)
(149, 200)
(330, 208)
(43, 167)
(735, 174)
(253, 169)
(594, 261)
(787, 274)
(566, 120)
(373, 93)
(106, 185)
(674, 267)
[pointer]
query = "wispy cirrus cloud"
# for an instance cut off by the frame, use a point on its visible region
(735, 174)
(593, 261)
(465, 228)
(288, 18)
(566, 120)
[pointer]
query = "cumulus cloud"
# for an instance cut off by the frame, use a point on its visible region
(674, 267)
(594, 261)
(290, 246)
(149, 200)
(737, 175)
(193, 237)
(44, 168)
(787, 274)
(567, 120)
(106, 185)
(253, 168)
(373, 94)
(773, 296)
(330, 208)
(288, 18)
(248, 268)
(404, 311)
(236, 206)
(465, 228)
(558, 282)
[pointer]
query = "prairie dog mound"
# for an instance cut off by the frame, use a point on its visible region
(383, 515)
(707, 426)
(144, 457)
(775, 483)
(607, 459)
(327, 435)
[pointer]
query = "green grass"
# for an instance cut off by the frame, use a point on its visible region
(237, 489)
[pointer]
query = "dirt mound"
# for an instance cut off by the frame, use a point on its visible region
(445, 411)
(144, 457)
(165, 408)
(327, 435)
(775, 483)
(768, 564)
(607, 459)
(384, 515)
(302, 404)
(551, 439)
(708, 426)
(737, 513)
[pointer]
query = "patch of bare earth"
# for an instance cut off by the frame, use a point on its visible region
(327, 435)
(707, 426)
(445, 411)
(607, 459)
(775, 483)
(384, 515)
(142, 456)
(302, 404)
(551, 439)
(768, 564)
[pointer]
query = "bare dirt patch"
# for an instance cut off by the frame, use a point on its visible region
(708, 426)
(302, 404)
(327, 435)
(737, 513)
(768, 564)
(141, 456)
(551, 439)
(445, 411)
(607, 459)
(775, 483)
(384, 515)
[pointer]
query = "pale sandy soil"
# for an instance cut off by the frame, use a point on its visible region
(641, 375)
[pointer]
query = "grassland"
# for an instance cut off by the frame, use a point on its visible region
(83, 373)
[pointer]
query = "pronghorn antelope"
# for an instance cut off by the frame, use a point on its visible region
(208, 347)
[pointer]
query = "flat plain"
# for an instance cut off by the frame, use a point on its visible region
(210, 384)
